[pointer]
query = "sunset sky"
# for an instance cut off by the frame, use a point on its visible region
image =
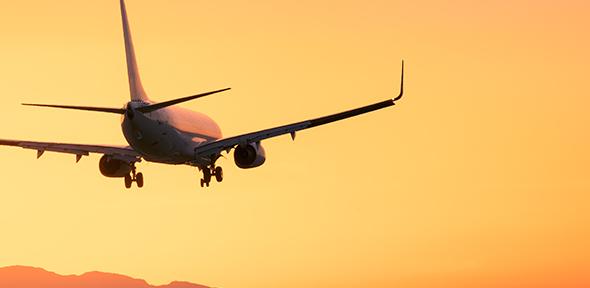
(478, 178)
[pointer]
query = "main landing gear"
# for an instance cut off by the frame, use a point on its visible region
(209, 172)
(134, 177)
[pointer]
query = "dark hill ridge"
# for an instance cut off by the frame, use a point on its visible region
(29, 277)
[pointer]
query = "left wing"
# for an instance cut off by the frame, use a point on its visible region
(123, 153)
(216, 147)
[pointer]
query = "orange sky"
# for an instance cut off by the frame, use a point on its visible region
(478, 178)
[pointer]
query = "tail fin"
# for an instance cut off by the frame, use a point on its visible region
(136, 89)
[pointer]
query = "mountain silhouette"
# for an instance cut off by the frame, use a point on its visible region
(29, 277)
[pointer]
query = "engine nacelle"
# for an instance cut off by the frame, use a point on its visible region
(249, 156)
(114, 168)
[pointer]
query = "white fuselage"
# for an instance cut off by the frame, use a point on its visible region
(169, 135)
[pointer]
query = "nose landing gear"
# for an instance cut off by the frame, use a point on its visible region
(210, 171)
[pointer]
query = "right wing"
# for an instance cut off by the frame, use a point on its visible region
(120, 152)
(226, 144)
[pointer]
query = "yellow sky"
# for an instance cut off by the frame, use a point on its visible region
(478, 178)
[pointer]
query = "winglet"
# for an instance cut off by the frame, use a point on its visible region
(401, 91)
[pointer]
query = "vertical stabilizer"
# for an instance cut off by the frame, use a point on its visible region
(136, 89)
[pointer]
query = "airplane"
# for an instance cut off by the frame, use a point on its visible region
(163, 133)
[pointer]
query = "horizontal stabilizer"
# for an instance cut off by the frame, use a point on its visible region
(154, 107)
(84, 108)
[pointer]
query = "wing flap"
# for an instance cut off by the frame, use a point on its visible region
(228, 143)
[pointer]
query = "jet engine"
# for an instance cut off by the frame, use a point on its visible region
(114, 168)
(249, 156)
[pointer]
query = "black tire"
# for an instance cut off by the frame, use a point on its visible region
(207, 175)
(139, 180)
(202, 183)
(128, 181)
(219, 174)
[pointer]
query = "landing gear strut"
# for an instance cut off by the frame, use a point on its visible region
(210, 171)
(134, 177)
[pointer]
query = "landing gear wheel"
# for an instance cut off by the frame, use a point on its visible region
(219, 174)
(139, 179)
(202, 183)
(207, 175)
(128, 181)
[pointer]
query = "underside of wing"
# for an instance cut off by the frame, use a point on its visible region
(120, 152)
